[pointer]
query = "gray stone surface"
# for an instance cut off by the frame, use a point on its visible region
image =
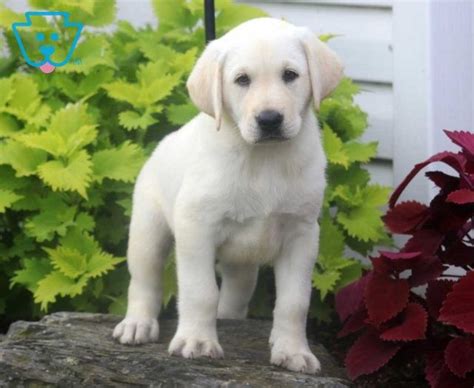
(76, 350)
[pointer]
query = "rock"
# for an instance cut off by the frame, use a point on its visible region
(76, 349)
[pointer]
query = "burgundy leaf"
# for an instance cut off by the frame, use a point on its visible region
(385, 297)
(459, 355)
(461, 197)
(456, 161)
(369, 354)
(434, 363)
(405, 217)
(458, 307)
(395, 262)
(354, 323)
(412, 327)
(447, 379)
(463, 139)
(426, 269)
(349, 299)
(400, 255)
(459, 254)
(443, 181)
(426, 241)
(436, 294)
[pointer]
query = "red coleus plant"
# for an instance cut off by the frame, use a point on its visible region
(438, 322)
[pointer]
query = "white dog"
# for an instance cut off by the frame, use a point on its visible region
(240, 185)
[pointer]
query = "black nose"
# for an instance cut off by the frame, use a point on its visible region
(269, 120)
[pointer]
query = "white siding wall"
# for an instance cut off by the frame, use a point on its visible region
(365, 45)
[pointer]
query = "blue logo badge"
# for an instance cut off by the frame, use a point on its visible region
(47, 48)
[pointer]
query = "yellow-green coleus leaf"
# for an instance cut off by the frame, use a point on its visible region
(71, 175)
(54, 217)
(7, 198)
(334, 147)
(122, 163)
(68, 261)
(325, 281)
(57, 284)
(362, 222)
(33, 270)
(23, 159)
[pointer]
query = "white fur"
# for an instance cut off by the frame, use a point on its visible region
(225, 198)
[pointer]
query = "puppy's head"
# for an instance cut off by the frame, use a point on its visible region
(263, 75)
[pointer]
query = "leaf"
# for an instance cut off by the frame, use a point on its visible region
(325, 281)
(405, 217)
(346, 89)
(463, 139)
(173, 14)
(122, 163)
(350, 298)
(54, 218)
(362, 222)
(181, 114)
(232, 14)
(458, 307)
(413, 327)
(8, 125)
(333, 146)
(456, 161)
(32, 272)
(347, 120)
(356, 322)
(369, 354)
(331, 238)
(459, 355)
(101, 263)
(7, 198)
(69, 262)
(91, 52)
(350, 273)
(461, 197)
(56, 284)
(133, 120)
(74, 175)
(359, 152)
(170, 283)
(385, 297)
(436, 294)
(124, 91)
(24, 160)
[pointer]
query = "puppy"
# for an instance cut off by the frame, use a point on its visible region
(240, 185)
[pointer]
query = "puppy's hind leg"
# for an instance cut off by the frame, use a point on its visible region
(238, 285)
(149, 244)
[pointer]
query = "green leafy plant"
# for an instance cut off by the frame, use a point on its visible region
(72, 143)
(350, 221)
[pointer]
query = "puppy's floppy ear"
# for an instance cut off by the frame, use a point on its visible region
(205, 82)
(325, 67)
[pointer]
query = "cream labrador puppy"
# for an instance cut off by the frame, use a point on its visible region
(240, 185)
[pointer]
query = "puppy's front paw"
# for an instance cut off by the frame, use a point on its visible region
(297, 358)
(134, 331)
(193, 346)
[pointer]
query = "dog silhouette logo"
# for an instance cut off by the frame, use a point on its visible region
(48, 49)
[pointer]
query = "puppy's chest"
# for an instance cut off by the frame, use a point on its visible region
(256, 239)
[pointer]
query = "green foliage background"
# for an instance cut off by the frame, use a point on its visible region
(72, 143)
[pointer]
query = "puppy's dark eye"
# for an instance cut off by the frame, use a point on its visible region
(242, 80)
(289, 76)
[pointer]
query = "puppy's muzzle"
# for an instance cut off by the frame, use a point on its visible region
(270, 123)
